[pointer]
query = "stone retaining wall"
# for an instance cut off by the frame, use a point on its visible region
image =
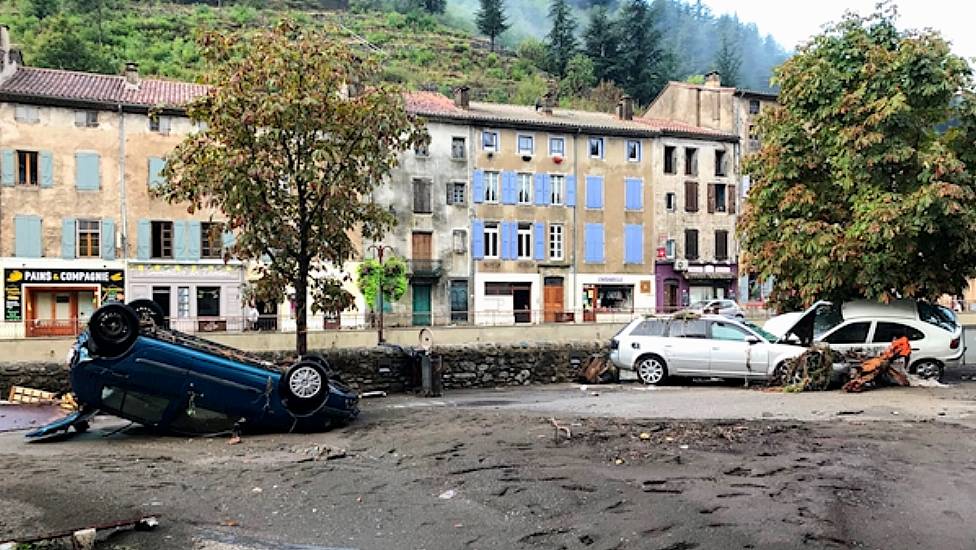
(389, 369)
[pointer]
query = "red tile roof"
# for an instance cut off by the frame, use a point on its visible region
(665, 125)
(57, 84)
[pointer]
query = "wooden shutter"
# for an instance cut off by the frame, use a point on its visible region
(570, 190)
(156, 166)
(691, 196)
(87, 171)
(421, 246)
(194, 239)
(144, 240)
(691, 244)
(539, 241)
(730, 193)
(47, 168)
(27, 236)
(634, 244)
(7, 167)
(478, 187)
(721, 245)
(711, 198)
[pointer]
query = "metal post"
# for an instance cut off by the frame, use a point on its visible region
(380, 254)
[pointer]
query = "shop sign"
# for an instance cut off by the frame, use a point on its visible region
(610, 279)
(111, 281)
(645, 287)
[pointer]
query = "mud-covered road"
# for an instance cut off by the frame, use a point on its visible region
(487, 477)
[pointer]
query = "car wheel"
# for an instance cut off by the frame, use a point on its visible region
(928, 369)
(783, 378)
(305, 386)
(651, 370)
(113, 328)
(148, 312)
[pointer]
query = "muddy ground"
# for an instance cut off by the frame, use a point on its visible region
(513, 483)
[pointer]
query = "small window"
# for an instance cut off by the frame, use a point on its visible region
(650, 327)
(142, 407)
(208, 301)
(633, 150)
(162, 239)
(728, 333)
(491, 240)
(555, 241)
(525, 188)
(458, 148)
(720, 168)
(691, 161)
(183, 302)
(460, 238)
(27, 113)
(211, 240)
(89, 238)
(557, 146)
(526, 145)
(456, 195)
(86, 119)
(491, 186)
(669, 201)
(691, 244)
(421, 196)
(489, 141)
(885, 333)
(722, 248)
(27, 168)
(596, 147)
(754, 107)
(524, 241)
(721, 201)
(854, 333)
(670, 160)
(670, 249)
(159, 123)
(558, 182)
(694, 328)
(422, 150)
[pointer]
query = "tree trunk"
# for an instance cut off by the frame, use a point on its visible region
(301, 309)
(492, 42)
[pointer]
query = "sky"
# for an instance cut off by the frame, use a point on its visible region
(792, 22)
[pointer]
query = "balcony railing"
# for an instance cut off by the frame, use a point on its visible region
(426, 269)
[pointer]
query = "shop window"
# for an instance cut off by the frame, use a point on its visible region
(558, 181)
(555, 241)
(183, 302)
(525, 241)
(691, 161)
(491, 240)
(525, 188)
(211, 243)
(557, 146)
(162, 239)
(670, 159)
(161, 295)
(421, 196)
(208, 301)
(458, 148)
(89, 238)
(614, 298)
(27, 168)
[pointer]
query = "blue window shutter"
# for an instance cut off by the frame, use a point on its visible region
(593, 243)
(634, 244)
(47, 169)
(512, 240)
(508, 195)
(193, 235)
(7, 167)
(477, 239)
(598, 245)
(87, 171)
(27, 236)
(180, 249)
(633, 194)
(108, 240)
(594, 191)
(68, 238)
(156, 166)
(588, 255)
(539, 238)
(546, 189)
(478, 186)
(144, 240)
(506, 243)
(539, 188)
(570, 190)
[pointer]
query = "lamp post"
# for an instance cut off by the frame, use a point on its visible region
(379, 248)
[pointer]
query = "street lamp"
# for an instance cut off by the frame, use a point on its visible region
(379, 248)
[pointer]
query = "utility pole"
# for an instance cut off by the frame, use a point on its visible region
(379, 248)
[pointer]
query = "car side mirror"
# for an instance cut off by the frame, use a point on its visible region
(752, 340)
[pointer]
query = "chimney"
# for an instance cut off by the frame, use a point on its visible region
(713, 80)
(548, 102)
(131, 74)
(9, 57)
(625, 108)
(462, 97)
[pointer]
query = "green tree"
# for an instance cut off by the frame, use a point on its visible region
(290, 159)
(390, 276)
(561, 41)
(534, 52)
(600, 44)
(727, 62)
(430, 6)
(641, 65)
(860, 187)
(40, 9)
(579, 77)
(491, 19)
(58, 46)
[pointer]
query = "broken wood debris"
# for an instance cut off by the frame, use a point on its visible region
(882, 366)
(84, 537)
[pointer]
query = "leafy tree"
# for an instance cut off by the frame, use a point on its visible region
(59, 46)
(579, 77)
(727, 62)
(430, 6)
(640, 66)
(600, 43)
(533, 51)
(40, 8)
(856, 192)
(390, 276)
(289, 160)
(491, 19)
(605, 96)
(561, 41)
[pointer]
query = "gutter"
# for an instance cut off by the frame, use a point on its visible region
(132, 108)
(123, 213)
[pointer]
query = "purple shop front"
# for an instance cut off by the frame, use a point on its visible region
(680, 284)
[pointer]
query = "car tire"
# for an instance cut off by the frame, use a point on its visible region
(651, 370)
(113, 329)
(305, 386)
(779, 376)
(149, 311)
(928, 369)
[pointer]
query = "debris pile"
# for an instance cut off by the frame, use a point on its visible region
(597, 369)
(810, 371)
(881, 367)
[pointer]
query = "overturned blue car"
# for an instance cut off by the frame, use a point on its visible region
(127, 363)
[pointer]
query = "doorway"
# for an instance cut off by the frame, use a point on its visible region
(522, 303)
(459, 301)
(421, 305)
(161, 295)
(553, 299)
(59, 312)
(671, 295)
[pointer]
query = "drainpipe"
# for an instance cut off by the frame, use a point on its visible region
(575, 291)
(122, 206)
(472, 265)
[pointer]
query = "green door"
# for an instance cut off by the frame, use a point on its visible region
(421, 305)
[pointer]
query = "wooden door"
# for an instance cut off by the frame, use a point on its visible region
(553, 299)
(421, 246)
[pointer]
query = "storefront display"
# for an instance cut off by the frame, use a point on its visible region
(58, 302)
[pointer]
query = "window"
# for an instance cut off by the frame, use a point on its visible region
(491, 186)
(526, 145)
(208, 301)
(144, 408)
(161, 295)
(669, 202)
(27, 168)
(456, 192)
(458, 149)
(421, 196)
(854, 333)
(719, 198)
(491, 240)
(720, 168)
(211, 240)
(935, 315)
(422, 150)
(670, 160)
(557, 146)
(722, 245)
(633, 150)
(650, 327)
(460, 237)
(694, 328)
(691, 244)
(162, 239)
(691, 161)
(160, 124)
(670, 249)
(86, 119)
(89, 238)
(525, 241)
(558, 182)
(27, 113)
(498, 289)
(754, 107)
(596, 148)
(691, 196)
(183, 302)
(728, 333)
(555, 242)
(884, 333)
(525, 188)
(489, 141)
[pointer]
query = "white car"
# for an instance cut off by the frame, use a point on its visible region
(725, 308)
(710, 346)
(934, 332)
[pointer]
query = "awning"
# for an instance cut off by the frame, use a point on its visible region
(710, 276)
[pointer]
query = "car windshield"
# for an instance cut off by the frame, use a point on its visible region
(758, 330)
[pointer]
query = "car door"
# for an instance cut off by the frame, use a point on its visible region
(885, 332)
(645, 337)
(731, 353)
(849, 336)
(686, 347)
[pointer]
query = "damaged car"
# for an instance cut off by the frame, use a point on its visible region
(128, 364)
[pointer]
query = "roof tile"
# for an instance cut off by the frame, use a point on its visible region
(99, 88)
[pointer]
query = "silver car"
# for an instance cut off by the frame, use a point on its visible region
(712, 346)
(725, 308)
